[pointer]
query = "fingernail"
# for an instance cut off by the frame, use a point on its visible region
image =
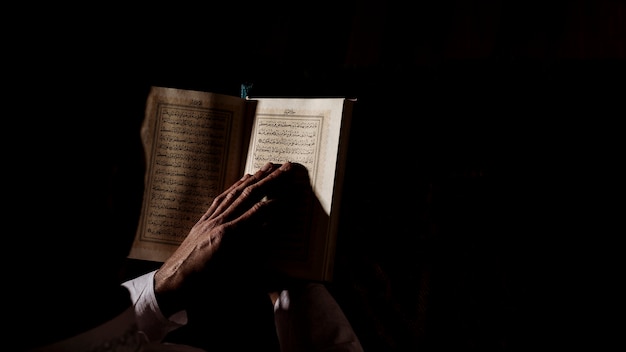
(266, 167)
(285, 165)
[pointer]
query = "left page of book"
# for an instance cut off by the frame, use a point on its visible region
(195, 145)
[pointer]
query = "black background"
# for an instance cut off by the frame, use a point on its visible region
(482, 177)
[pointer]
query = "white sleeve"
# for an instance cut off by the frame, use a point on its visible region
(151, 321)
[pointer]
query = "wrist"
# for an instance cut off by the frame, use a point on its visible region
(167, 295)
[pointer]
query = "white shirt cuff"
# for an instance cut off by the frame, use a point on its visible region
(149, 317)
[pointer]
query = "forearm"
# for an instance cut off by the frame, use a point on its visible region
(309, 319)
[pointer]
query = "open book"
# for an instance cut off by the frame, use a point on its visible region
(199, 143)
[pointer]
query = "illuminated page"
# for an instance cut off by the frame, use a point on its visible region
(194, 150)
(312, 132)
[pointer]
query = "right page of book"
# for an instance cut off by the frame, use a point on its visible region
(313, 132)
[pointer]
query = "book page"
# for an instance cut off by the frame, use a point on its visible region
(194, 149)
(306, 131)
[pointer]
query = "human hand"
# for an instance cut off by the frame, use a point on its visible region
(233, 236)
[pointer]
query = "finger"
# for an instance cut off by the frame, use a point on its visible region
(287, 181)
(223, 201)
(218, 200)
(253, 218)
(268, 182)
(284, 181)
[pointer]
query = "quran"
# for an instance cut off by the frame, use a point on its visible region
(198, 143)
